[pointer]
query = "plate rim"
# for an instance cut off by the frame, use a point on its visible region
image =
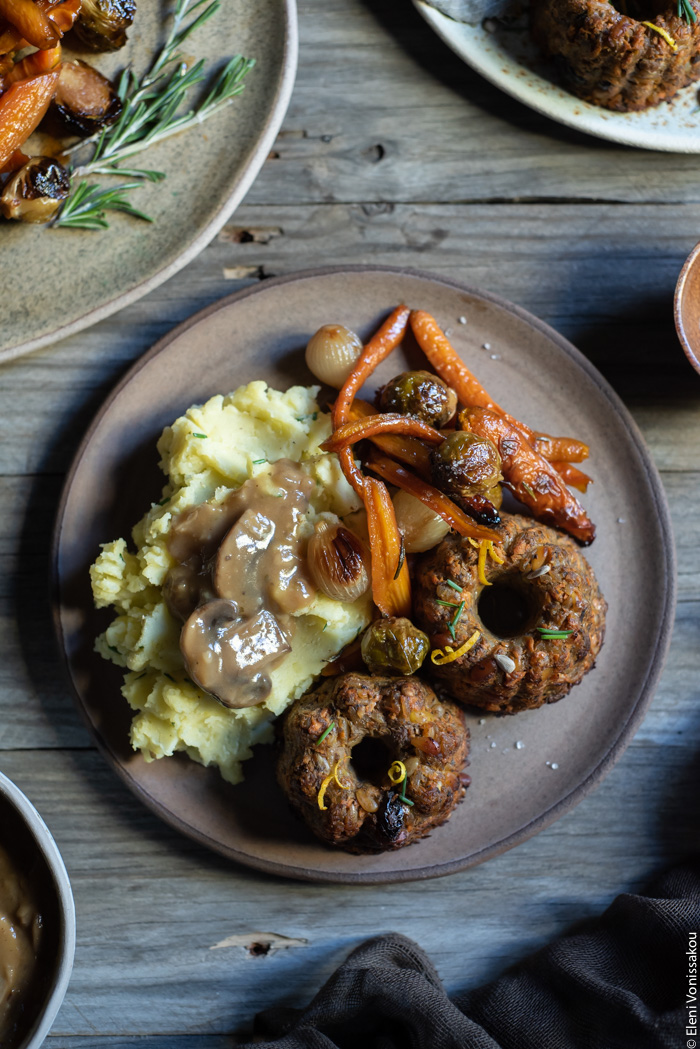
(272, 124)
(585, 122)
(627, 729)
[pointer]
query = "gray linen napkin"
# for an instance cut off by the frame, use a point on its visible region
(618, 982)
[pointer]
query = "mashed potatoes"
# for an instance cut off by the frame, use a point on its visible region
(210, 450)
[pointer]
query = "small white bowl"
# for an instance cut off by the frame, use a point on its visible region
(19, 819)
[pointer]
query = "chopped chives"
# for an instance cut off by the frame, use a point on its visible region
(203, 435)
(447, 604)
(460, 609)
(256, 462)
(324, 734)
(454, 586)
(406, 801)
(528, 489)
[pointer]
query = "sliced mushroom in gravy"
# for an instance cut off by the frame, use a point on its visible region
(241, 571)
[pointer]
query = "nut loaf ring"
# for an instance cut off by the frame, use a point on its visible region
(613, 59)
(365, 811)
(545, 582)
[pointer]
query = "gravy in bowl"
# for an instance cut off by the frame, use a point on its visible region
(20, 941)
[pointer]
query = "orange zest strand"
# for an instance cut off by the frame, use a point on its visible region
(440, 657)
(381, 423)
(391, 585)
(486, 550)
(481, 564)
(436, 500)
(335, 776)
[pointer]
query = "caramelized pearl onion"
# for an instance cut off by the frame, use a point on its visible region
(422, 528)
(331, 354)
(338, 561)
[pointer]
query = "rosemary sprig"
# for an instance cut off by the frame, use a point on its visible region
(86, 206)
(151, 112)
(686, 10)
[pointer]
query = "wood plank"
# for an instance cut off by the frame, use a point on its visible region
(196, 1041)
(383, 110)
(152, 905)
(593, 274)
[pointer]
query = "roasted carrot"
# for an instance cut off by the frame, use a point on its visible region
(350, 659)
(438, 502)
(572, 476)
(21, 108)
(450, 367)
(448, 364)
(407, 450)
(556, 449)
(14, 163)
(386, 339)
(391, 585)
(531, 478)
(379, 346)
(35, 65)
(64, 14)
(29, 20)
(381, 423)
(11, 40)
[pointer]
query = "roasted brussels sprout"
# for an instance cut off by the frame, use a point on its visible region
(35, 192)
(465, 465)
(84, 99)
(421, 394)
(102, 24)
(394, 646)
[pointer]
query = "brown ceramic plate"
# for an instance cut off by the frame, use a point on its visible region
(209, 169)
(686, 307)
(564, 749)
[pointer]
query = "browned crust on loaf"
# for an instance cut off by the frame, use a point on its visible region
(565, 598)
(412, 722)
(613, 60)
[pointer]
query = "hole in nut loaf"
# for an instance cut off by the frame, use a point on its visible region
(371, 760)
(507, 610)
(641, 10)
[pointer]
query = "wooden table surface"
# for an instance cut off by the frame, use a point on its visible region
(392, 152)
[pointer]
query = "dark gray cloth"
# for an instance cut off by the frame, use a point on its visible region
(617, 982)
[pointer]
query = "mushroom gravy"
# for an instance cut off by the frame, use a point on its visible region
(240, 576)
(20, 940)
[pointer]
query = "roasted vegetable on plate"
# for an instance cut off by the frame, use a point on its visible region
(112, 121)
